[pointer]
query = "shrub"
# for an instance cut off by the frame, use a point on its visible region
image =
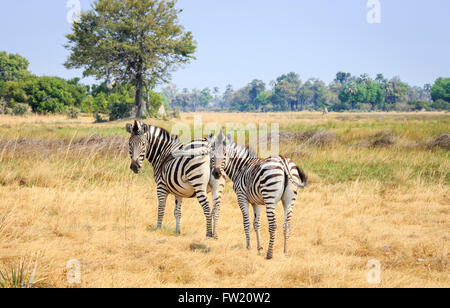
(120, 111)
(323, 138)
(155, 101)
(98, 118)
(442, 142)
(441, 105)
(73, 113)
(384, 139)
(419, 105)
(20, 109)
(176, 113)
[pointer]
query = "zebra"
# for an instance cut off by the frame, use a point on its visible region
(261, 182)
(183, 170)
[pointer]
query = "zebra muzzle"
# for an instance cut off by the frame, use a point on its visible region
(135, 166)
(217, 173)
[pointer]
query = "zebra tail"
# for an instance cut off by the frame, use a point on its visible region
(302, 175)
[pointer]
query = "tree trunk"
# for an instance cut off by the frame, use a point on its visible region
(139, 103)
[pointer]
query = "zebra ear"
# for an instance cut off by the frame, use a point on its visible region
(129, 128)
(145, 128)
(229, 138)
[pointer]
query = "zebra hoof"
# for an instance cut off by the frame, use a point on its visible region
(269, 257)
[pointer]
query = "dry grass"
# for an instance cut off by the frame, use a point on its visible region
(66, 193)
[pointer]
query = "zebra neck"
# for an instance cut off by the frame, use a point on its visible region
(159, 148)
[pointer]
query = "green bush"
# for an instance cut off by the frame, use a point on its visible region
(4, 108)
(155, 101)
(20, 109)
(98, 118)
(120, 111)
(441, 105)
(419, 105)
(73, 113)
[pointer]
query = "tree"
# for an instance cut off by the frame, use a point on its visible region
(342, 77)
(205, 98)
(45, 94)
(255, 87)
(396, 91)
(319, 90)
(262, 100)
(12, 67)
(241, 100)
(285, 90)
(227, 97)
(137, 41)
(170, 92)
(441, 90)
(305, 94)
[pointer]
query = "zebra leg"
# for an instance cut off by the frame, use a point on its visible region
(272, 228)
(178, 202)
(243, 204)
(217, 190)
(203, 200)
(162, 198)
(257, 225)
(289, 199)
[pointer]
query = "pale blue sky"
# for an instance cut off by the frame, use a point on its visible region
(244, 39)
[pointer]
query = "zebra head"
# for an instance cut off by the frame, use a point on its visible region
(138, 144)
(218, 155)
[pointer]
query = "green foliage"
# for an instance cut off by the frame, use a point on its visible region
(441, 105)
(73, 112)
(155, 101)
(12, 67)
(120, 110)
(20, 109)
(44, 94)
(205, 98)
(441, 90)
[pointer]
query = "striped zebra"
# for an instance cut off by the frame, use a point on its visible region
(183, 170)
(262, 182)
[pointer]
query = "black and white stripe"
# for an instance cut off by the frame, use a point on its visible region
(181, 170)
(263, 182)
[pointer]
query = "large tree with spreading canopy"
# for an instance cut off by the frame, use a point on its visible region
(130, 41)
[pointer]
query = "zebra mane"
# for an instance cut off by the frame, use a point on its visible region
(166, 132)
(242, 151)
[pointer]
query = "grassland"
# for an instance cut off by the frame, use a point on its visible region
(378, 190)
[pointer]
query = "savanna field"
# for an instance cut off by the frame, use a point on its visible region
(378, 189)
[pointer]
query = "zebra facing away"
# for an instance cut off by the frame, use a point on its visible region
(262, 182)
(183, 170)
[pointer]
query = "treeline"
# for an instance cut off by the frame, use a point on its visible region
(22, 92)
(289, 93)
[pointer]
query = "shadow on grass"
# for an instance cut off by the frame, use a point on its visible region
(196, 246)
(166, 230)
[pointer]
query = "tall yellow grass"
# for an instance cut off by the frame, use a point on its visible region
(67, 193)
